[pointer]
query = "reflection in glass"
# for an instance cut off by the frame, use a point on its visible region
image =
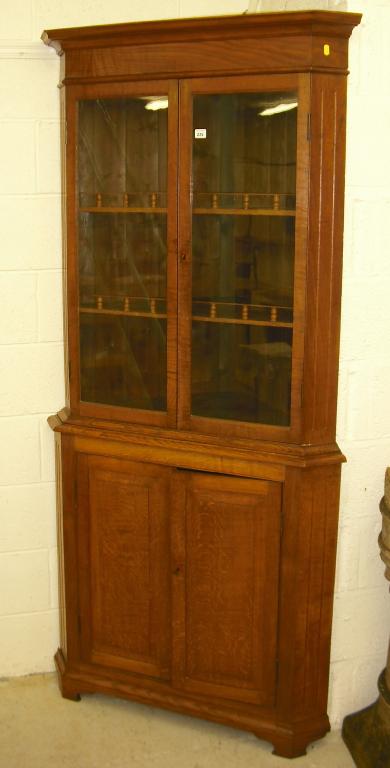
(122, 189)
(243, 240)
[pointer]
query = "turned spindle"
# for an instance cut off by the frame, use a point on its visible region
(153, 306)
(215, 200)
(99, 302)
(276, 202)
(153, 199)
(245, 311)
(126, 304)
(125, 200)
(246, 202)
(213, 310)
(99, 200)
(274, 314)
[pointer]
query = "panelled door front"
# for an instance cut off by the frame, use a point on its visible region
(225, 586)
(123, 556)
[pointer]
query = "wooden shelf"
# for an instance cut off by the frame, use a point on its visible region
(213, 317)
(195, 318)
(239, 321)
(242, 212)
(120, 209)
(121, 312)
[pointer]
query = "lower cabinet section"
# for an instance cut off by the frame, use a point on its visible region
(178, 576)
(200, 592)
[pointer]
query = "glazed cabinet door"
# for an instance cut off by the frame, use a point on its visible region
(225, 586)
(121, 199)
(123, 565)
(243, 217)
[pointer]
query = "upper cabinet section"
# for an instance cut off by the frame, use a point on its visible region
(204, 185)
(250, 43)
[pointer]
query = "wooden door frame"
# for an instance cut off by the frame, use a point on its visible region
(74, 94)
(300, 83)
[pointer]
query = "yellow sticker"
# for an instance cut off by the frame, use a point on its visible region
(326, 49)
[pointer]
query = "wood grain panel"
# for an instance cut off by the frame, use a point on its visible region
(324, 271)
(184, 59)
(193, 46)
(60, 539)
(124, 546)
(307, 581)
(227, 534)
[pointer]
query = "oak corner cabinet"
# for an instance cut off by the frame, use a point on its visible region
(198, 474)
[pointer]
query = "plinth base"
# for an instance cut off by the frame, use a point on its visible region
(367, 733)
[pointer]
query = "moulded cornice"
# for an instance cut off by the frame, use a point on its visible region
(282, 24)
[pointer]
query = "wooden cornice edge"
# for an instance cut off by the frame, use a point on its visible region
(314, 23)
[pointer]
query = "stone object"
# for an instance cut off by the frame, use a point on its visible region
(367, 733)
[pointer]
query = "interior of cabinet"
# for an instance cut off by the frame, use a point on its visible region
(243, 241)
(122, 235)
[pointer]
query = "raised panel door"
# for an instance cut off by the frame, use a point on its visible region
(225, 586)
(123, 559)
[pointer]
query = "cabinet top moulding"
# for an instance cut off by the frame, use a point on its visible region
(184, 44)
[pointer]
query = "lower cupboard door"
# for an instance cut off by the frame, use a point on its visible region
(123, 564)
(226, 539)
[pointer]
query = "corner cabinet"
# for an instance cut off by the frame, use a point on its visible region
(198, 474)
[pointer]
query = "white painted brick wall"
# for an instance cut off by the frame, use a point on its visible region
(31, 350)
(31, 382)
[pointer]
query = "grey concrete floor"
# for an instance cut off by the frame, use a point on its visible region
(38, 728)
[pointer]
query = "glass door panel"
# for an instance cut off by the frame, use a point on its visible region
(243, 245)
(122, 249)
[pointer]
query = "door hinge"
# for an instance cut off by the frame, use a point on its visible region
(308, 127)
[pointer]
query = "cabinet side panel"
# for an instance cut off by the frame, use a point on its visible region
(328, 113)
(307, 580)
(60, 544)
(231, 576)
(68, 545)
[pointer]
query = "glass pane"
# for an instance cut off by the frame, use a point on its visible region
(243, 240)
(122, 188)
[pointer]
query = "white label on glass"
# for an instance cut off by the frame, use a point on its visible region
(200, 133)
